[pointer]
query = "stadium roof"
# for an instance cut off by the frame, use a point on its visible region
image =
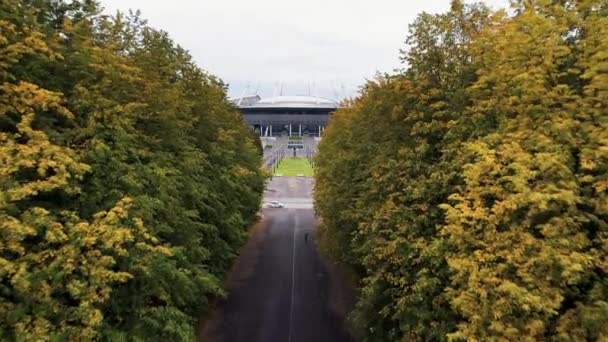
(294, 102)
(246, 100)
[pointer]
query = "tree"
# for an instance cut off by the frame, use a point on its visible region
(128, 179)
(57, 270)
(529, 244)
(378, 190)
(469, 190)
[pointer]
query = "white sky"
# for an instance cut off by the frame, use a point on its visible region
(329, 46)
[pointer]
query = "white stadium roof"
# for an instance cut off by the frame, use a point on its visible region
(294, 102)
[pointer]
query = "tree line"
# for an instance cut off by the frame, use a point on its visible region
(127, 179)
(469, 190)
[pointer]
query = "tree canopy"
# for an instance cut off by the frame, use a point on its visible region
(127, 179)
(469, 190)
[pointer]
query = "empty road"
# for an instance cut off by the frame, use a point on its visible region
(280, 289)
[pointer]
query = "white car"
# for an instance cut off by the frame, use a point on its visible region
(275, 204)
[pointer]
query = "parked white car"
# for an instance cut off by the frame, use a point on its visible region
(275, 204)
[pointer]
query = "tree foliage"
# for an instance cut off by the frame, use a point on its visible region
(127, 180)
(470, 189)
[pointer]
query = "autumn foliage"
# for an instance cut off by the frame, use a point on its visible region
(470, 190)
(127, 180)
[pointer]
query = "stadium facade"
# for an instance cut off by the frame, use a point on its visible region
(287, 115)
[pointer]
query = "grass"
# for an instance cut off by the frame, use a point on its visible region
(294, 167)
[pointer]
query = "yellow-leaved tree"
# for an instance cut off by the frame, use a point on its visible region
(56, 270)
(470, 191)
(529, 225)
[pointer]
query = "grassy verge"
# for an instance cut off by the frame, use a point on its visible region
(294, 167)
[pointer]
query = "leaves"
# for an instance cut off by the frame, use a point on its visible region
(469, 191)
(127, 180)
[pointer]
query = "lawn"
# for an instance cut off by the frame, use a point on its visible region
(294, 167)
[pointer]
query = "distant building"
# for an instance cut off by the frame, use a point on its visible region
(287, 115)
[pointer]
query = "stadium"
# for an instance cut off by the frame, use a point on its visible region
(287, 115)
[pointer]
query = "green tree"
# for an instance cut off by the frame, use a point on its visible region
(386, 164)
(108, 127)
(530, 245)
(469, 191)
(56, 269)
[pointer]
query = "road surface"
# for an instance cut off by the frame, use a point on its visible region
(280, 289)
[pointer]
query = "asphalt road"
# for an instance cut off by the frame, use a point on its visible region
(280, 289)
(293, 192)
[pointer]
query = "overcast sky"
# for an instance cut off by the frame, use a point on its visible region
(327, 46)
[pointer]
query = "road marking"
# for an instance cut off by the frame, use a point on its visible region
(293, 276)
